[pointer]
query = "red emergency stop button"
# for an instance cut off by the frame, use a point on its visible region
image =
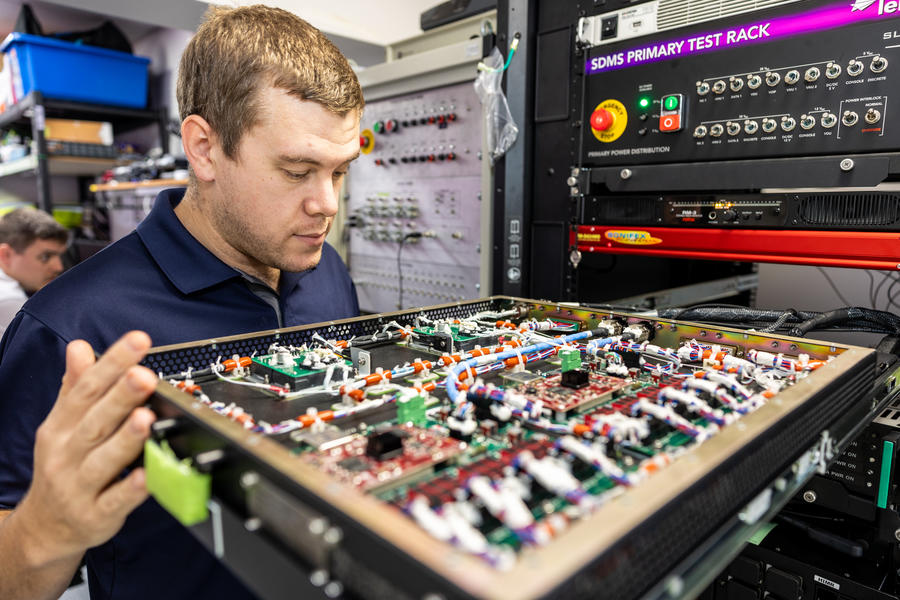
(363, 141)
(602, 119)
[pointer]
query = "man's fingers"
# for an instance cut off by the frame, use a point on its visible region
(117, 501)
(79, 357)
(106, 461)
(95, 382)
(106, 415)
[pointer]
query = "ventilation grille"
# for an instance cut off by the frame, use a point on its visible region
(679, 13)
(621, 210)
(840, 210)
(201, 354)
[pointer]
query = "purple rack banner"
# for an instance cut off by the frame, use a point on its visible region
(820, 19)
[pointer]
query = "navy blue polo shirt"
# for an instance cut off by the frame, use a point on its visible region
(161, 280)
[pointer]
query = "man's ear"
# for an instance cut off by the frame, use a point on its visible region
(199, 140)
(6, 253)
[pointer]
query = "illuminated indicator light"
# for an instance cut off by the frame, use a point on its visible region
(670, 102)
(644, 102)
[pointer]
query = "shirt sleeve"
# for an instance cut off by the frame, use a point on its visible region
(32, 363)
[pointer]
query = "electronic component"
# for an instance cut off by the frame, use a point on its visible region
(489, 453)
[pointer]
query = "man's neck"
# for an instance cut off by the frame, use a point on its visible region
(190, 211)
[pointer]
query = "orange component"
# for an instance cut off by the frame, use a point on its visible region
(513, 361)
(357, 395)
(581, 429)
(428, 387)
(421, 365)
(815, 364)
(698, 374)
(307, 420)
(341, 343)
(768, 394)
(376, 377)
(506, 324)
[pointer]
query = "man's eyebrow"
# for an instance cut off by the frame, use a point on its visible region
(302, 160)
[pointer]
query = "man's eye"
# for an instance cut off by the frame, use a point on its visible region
(339, 174)
(296, 176)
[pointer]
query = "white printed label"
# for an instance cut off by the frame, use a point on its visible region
(829, 583)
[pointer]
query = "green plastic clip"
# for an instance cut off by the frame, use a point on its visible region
(176, 485)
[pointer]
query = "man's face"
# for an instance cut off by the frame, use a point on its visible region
(36, 266)
(276, 200)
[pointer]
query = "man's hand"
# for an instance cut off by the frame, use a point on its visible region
(77, 497)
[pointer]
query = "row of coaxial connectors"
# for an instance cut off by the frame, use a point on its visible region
(792, 77)
(786, 123)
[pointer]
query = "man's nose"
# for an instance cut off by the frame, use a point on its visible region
(56, 264)
(324, 199)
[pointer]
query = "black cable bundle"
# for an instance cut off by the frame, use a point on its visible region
(790, 321)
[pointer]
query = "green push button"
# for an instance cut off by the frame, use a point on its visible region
(177, 486)
(671, 102)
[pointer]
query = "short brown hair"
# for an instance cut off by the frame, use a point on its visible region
(21, 227)
(237, 51)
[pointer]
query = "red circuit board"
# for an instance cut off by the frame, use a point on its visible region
(565, 400)
(422, 450)
(440, 489)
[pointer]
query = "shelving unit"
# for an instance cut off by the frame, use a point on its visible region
(34, 109)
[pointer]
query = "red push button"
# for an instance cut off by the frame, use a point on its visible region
(602, 119)
(670, 123)
(363, 142)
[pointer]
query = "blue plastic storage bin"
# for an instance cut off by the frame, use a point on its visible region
(68, 71)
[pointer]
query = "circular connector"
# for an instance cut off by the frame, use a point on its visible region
(719, 87)
(769, 125)
(873, 115)
(829, 120)
(736, 84)
(878, 64)
(754, 81)
(788, 123)
(807, 121)
(812, 74)
(700, 131)
(832, 70)
(792, 77)
(732, 128)
(702, 88)
(855, 67)
(750, 127)
(773, 78)
(717, 130)
(849, 118)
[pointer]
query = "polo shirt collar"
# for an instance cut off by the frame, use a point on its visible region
(185, 261)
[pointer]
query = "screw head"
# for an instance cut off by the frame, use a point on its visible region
(847, 164)
(897, 534)
(809, 496)
(625, 173)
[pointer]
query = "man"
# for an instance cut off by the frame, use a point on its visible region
(270, 123)
(31, 244)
